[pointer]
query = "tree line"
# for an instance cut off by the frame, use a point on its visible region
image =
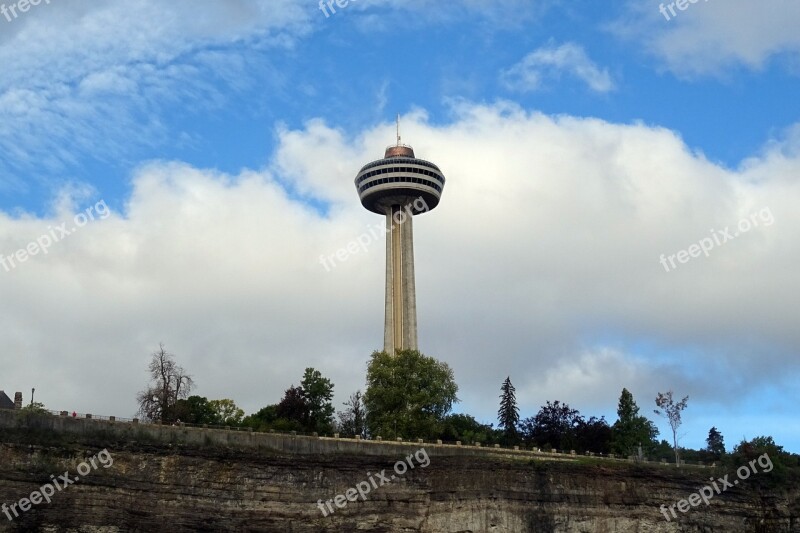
(411, 395)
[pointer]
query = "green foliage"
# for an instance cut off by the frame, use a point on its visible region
(267, 418)
(662, 450)
(630, 430)
(263, 420)
(758, 446)
(785, 466)
(626, 408)
(554, 426)
(194, 410)
(318, 393)
(304, 409)
(293, 407)
(508, 414)
(31, 412)
(593, 435)
(671, 409)
(408, 394)
(35, 408)
(775, 467)
(201, 410)
(558, 426)
(715, 443)
(353, 420)
(465, 428)
(226, 413)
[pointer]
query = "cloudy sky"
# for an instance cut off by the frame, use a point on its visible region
(620, 210)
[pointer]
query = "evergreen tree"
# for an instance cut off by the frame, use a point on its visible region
(716, 444)
(508, 415)
(631, 429)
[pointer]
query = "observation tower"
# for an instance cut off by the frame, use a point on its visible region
(400, 186)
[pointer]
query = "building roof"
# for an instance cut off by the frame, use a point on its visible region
(5, 401)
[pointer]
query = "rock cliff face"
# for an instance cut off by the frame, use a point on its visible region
(161, 486)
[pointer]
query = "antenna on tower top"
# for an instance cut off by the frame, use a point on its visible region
(398, 129)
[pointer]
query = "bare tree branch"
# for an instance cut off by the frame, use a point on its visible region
(169, 383)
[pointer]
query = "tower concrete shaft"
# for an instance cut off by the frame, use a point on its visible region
(400, 325)
(398, 187)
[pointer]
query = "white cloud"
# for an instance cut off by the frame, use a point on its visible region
(711, 37)
(540, 263)
(551, 62)
(100, 79)
(99, 84)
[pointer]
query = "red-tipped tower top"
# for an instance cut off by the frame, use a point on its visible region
(399, 179)
(400, 150)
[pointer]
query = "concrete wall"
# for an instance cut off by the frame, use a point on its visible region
(294, 444)
(279, 442)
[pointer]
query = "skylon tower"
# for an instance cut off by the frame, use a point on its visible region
(399, 187)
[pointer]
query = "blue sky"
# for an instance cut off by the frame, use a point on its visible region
(590, 137)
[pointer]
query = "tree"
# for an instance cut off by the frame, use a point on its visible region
(715, 442)
(35, 408)
(464, 428)
(169, 383)
(555, 425)
(672, 411)
(353, 420)
(318, 393)
(408, 394)
(262, 420)
(293, 407)
(226, 413)
(630, 430)
(195, 410)
(663, 449)
(768, 455)
(508, 414)
(593, 435)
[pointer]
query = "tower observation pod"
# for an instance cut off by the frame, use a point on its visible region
(400, 186)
